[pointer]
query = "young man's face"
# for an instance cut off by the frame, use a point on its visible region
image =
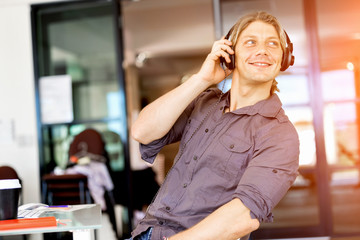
(258, 53)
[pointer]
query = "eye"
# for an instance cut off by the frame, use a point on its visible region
(273, 43)
(250, 42)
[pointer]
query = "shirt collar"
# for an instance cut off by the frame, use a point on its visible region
(268, 107)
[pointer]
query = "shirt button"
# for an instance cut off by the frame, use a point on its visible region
(161, 223)
(232, 146)
(168, 208)
(206, 130)
(189, 121)
(195, 157)
(274, 171)
(221, 108)
(184, 185)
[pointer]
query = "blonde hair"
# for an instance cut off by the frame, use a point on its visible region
(265, 17)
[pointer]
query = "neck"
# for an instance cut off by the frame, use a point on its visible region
(245, 95)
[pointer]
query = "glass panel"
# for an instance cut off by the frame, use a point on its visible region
(341, 134)
(299, 208)
(79, 39)
(62, 135)
(293, 88)
(342, 149)
(333, 81)
(346, 208)
(80, 43)
(339, 48)
(302, 119)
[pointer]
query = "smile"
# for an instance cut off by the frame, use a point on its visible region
(260, 64)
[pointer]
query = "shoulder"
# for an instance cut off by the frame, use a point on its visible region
(277, 130)
(206, 96)
(211, 92)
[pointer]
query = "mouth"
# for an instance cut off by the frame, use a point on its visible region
(260, 64)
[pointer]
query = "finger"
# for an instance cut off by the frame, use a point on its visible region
(226, 41)
(224, 48)
(227, 49)
(223, 54)
(223, 42)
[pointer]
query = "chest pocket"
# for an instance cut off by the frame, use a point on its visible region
(234, 157)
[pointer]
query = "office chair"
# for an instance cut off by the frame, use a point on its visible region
(7, 172)
(67, 189)
(74, 188)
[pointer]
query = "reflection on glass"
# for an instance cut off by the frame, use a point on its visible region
(342, 149)
(339, 49)
(83, 47)
(62, 135)
(341, 133)
(302, 119)
(293, 89)
(333, 81)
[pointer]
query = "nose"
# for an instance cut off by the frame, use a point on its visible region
(262, 49)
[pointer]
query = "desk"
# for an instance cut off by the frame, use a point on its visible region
(80, 222)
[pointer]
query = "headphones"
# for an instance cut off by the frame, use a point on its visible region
(287, 59)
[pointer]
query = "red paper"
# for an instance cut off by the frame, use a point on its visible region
(27, 223)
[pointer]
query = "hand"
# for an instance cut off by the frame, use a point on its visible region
(211, 69)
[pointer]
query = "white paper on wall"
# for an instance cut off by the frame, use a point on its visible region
(56, 99)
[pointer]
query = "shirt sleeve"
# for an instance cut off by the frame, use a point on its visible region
(149, 151)
(271, 171)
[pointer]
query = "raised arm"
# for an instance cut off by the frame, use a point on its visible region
(156, 119)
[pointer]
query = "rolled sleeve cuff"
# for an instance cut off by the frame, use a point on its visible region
(256, 208)
(149, 151)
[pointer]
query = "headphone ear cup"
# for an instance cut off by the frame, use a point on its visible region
(286, 60)
(231, 65)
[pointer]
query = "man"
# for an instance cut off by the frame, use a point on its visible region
(238, 152)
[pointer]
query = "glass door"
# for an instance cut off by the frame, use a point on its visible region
(80, 84)
(339, 47)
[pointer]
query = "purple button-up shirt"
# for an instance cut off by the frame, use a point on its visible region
(251, 153)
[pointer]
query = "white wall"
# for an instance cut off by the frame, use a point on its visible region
(18, 146)
(18, 131)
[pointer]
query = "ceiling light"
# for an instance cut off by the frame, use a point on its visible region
(141, 58)
(350, 66)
